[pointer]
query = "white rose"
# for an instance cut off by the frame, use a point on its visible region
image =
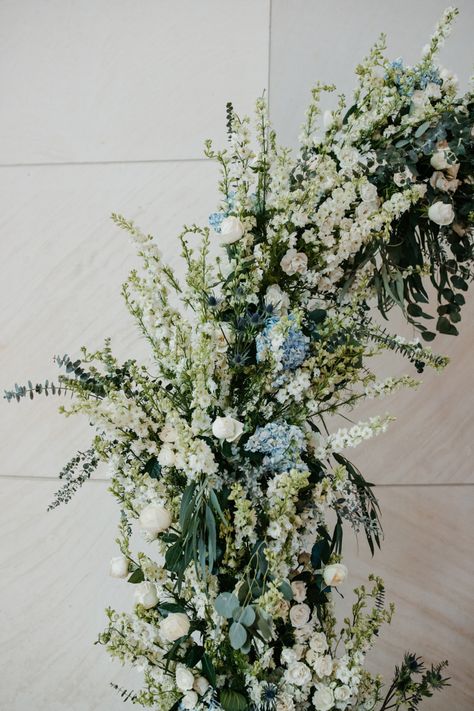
(318, 642)
(438, 160)
(166, 457)
(288, 656)
(284, 702)
(441, 212)
(168, 434)
(323, 666)
(227, 428)
(145, 594)
(201, 685)
(231, 230)
(154, 519)
(184, 678)
(118, 567)
(299, 590)
(294, 262)
(189, 700)
(323, 699)
(277, 298)
(368, 192)
(335, 574)
(342, 693)
(298, 674)
(174, 626)
(300, 614)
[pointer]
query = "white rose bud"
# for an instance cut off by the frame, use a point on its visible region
(323, 699)
(335, 574)
(154, 519)
(166, 457)
(174, 626)
(441, 212)
(118, 567)
(438, 160)
(227, 428)
(201, 685)
(184, 678)
(145, 594)
(300, 614)
(231, 230)
(189, 700)
(299, 590)
(294, 262)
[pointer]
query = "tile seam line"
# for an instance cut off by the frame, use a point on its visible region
(269, 55)
(138, 161)
(29, 477)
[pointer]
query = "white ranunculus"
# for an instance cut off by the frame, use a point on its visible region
(334, 574)
(154, 519)
(118, 567)
(441, 212)
(166, 457)
(323, 666)
(145, 594)
(200, 685)
(323, 699)
(189, 700)
(184, 678)
(298, 674)
(174, 626)
(342, 693)
(294, 262)
(318, 642)
(277, 298)
(227, 428)
(168, 434)
(438, 160)
(299, 590)
(231, 230)
(300, 614)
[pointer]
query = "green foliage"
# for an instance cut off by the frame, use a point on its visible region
(413, 682)
(87, 462)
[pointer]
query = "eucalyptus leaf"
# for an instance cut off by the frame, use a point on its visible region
(237, 635)
(225, 604)
(245, 615)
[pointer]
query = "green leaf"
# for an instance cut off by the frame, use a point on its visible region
(193, 656)
(232, 700)
(225, 604)
(137, 576)
(237, 635)
(208, 669)
(264, 624)
(286, 591)
(187, 505)
(166, 607)
(422, 129)
(443, 325)
(245, 615)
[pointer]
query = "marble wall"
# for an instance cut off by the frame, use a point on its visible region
(105, 107)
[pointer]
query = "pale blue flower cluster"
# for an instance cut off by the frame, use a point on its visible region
(292, 352)
(215, 218)
(406, 83)
(281, 444)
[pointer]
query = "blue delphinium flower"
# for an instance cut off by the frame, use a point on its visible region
(293, 350)
(281, 444)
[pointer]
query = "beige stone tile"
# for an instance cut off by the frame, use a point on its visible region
(54, 587)
(426, 562)
(313, 40)
(119, 81)
(63, 263)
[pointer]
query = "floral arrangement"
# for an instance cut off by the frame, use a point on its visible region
(222, 450)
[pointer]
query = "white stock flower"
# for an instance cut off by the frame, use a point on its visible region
(118, 567)
(300, 614)
(298, 674)
(299, 590)
(368, 192)
(335, 574)
(184, 678)
(168, 434)
(277, 298)
(441, 213)
(231, 230)
(294, 262)
(174, 626)
(227, 428)
(166, 456)
(201, 685)
(189, 700)
(323, 698)
(145, 594)
(154, 519)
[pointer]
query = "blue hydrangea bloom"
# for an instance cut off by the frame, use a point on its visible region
(294, 348)
(281, 444)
